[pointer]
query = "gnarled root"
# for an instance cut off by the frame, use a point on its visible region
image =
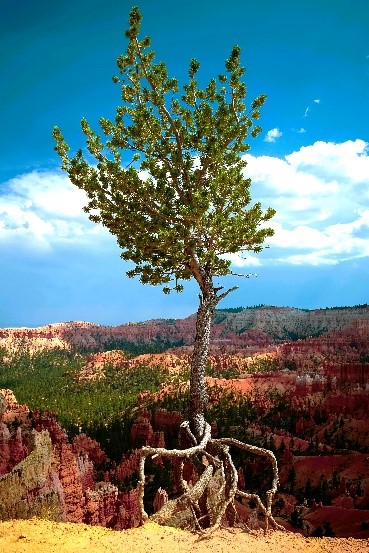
(218, 483)
(187, 500)
(266, 509)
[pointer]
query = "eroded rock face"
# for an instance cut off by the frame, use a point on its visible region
(83, 444)
(13, 447)
(34, 472)
(66, 488)
(152, 428)
(5, 450)
(341, 351)
(97, 363)
(3, 405)
(141, 432)
(350, 404)
(127, 466)
(128, 512)
(42, 474)
(70, 481)
(342, 521)
(160, 499)
(167, 421)
(10, 409)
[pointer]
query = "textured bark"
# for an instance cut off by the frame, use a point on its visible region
(209, 298)
(186, 500)
(168, 453)
(220, 470)
(198, 393)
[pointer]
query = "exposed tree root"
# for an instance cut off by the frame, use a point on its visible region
(186, 500)
(218, 484)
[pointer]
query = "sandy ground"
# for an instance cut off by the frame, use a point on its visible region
(39, 536)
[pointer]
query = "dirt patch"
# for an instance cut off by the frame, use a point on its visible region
(39, 536)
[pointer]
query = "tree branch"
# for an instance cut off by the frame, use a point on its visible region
(196, 270)
(164, 110)
(222, 296)
(245, 275)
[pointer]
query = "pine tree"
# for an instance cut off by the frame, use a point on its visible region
(169, 182)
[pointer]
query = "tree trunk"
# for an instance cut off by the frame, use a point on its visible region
(198, 393)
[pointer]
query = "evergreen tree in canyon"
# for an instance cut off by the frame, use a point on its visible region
(168, 180)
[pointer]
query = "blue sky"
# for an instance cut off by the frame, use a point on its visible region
(311, 163)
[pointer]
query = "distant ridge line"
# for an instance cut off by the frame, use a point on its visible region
(266, 306)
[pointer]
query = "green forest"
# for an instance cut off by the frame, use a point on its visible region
(104, 410)
(48, 381)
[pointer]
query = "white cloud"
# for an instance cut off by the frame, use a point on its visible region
(272, 135)
(49, 193)
(307, 110)
(312, 258)
(348, 160)
(300, 237)
(321, 194)
(39, 209)
(301, 130)
(281, 176)
(239, 260)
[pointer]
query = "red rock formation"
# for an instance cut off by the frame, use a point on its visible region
(48, 421)
(173, 363)
(5, 450)
(18, 451)
(343, 522)
(97, 363)
(344, 502)
(160, 499)
(352, 467)
(351, 403)
(337, 352)
(72, 477)
(11, 402)
(84, 444)
(141, 432)
(101, 505)
(312, 400)
(158, 439)
(347, 373)
(129, 515)
(127, 466)
(70, 481)
(248, 330)
(14, 411)
(167, 421)
(85, 471)
(12, 447)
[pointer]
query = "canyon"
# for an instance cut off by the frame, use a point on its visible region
(304, 376)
